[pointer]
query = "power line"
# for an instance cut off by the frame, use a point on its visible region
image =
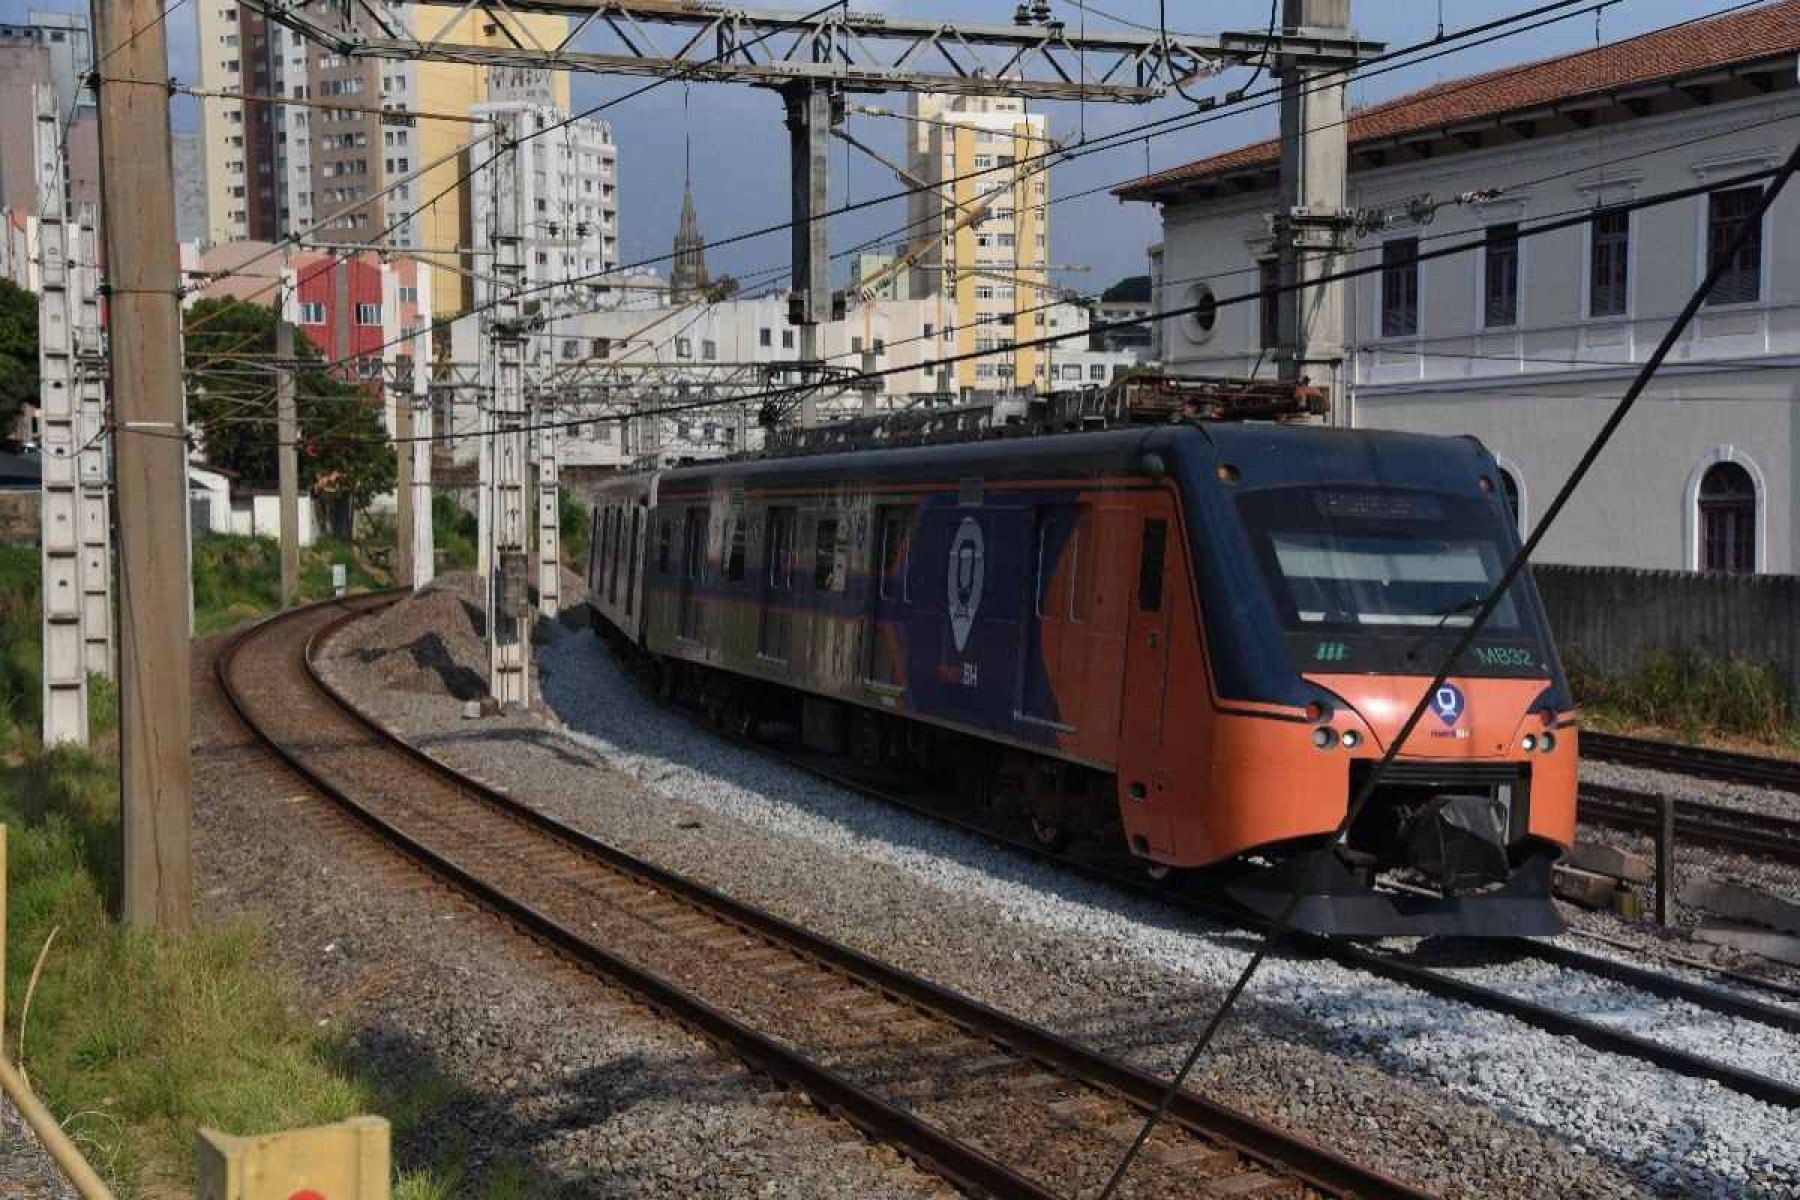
(1474, 243)
(1491, 601)
(1130, 136)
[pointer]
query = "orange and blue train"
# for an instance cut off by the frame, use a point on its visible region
(1189, 641)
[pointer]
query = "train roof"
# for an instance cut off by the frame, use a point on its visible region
(1264, 454)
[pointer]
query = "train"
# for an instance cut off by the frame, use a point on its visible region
(1187, 641)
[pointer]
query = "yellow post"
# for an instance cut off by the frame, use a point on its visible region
(347, 1161)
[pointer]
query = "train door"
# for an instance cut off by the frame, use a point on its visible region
(693, 558)
(892, 592)
(1143, 779)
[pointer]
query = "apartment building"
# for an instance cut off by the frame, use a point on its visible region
(571, 201)
(985, 230)
(1527, 340)
(272, 169)
(53, 49)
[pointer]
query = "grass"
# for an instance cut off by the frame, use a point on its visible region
(238, 578)
(1691, 696)
(134, 1041)
(453, 534)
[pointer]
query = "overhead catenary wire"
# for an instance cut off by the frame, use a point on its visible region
(1751, 222)
(1160, 127)
(1473, 243)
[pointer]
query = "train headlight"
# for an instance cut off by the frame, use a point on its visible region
(1324, 738)
(1351, 739)
(1529, 742)
(1547, 742)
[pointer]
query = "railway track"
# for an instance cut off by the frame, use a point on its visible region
(992, 1104)
(1693, 760)
(1129, 876)
(1712, 825)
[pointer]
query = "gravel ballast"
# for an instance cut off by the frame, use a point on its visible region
(537, 1072)
(1461, 1101)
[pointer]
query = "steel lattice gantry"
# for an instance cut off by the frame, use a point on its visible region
(812, 59)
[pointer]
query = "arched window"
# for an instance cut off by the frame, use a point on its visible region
(1727, 520)
(1509, 488)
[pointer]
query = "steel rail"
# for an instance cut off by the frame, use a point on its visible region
(1712, 825)
(1693, 760)
(963, 1165)
(1598, 1036)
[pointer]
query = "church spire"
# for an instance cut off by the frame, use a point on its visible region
(687, 277)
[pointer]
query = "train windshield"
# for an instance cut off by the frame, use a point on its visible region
(1377, 579)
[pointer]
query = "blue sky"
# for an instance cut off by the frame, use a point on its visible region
(740, 146)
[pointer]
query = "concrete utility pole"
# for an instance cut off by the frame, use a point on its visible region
(424, 566)
(396, 394)
(549, 514)
(1312, 225)
(93, 456)
(813, 109)
(143, 271)
(287, 435)
(65, 695)
(508, 454)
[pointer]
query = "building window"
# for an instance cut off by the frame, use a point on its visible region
(787, 339)
(1500, 284)
(368, 314)
(765, 338)
(1268, 283)
(1609, 255)
(312, 313)
(709, 350)
(684, 348)
(1726, 212)
(1400, 288)
(1728, 520)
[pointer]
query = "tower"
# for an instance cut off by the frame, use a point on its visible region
(687, 278)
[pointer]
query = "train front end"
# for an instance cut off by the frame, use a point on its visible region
(1338, 571)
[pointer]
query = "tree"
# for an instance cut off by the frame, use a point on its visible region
(1133, 288)
(344, 452)
(722, 288)
(18, 353)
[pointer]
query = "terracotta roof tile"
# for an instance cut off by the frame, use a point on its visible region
(1665, 54)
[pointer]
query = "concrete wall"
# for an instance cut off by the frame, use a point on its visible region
(1614, 619)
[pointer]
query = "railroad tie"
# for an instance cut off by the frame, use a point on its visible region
(1251, 1185)
(1076, 1111)
(1195, 1156)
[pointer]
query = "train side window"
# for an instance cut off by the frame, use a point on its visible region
(781, 546)
(826, 576)
(734, 548)
(1150, 565)
(665, 538)
(618, 555)
(1081, 569)
(631, 560)
(895, 522)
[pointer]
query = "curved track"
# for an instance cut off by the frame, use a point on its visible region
(1129, 875)
(992, 1104)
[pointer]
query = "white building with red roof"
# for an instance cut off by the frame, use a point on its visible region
(1527, 340)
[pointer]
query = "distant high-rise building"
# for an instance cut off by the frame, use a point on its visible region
(189, 152)
(871, 263)
(985, 228)
(53, 49)
(571, 178)
(687, 276)
(273, 169)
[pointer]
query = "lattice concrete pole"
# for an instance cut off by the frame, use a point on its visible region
(419, 450)
(65, 674)
(484, 448)
(396, 396)
(812, 109)
(1312, 224)
(93, 465)
(287, 434)
(508, 612)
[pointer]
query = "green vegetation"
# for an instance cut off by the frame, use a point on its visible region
(1690, 695)
(453, 534)
(135, 1041)
(572, 520)
(344, 453)
(239, 578)
(18, 353)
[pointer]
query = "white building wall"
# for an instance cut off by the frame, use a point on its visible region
(221, 61)
(1536, 392)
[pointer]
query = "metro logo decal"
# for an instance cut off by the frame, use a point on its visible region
(966, 560)
(1448, 703)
